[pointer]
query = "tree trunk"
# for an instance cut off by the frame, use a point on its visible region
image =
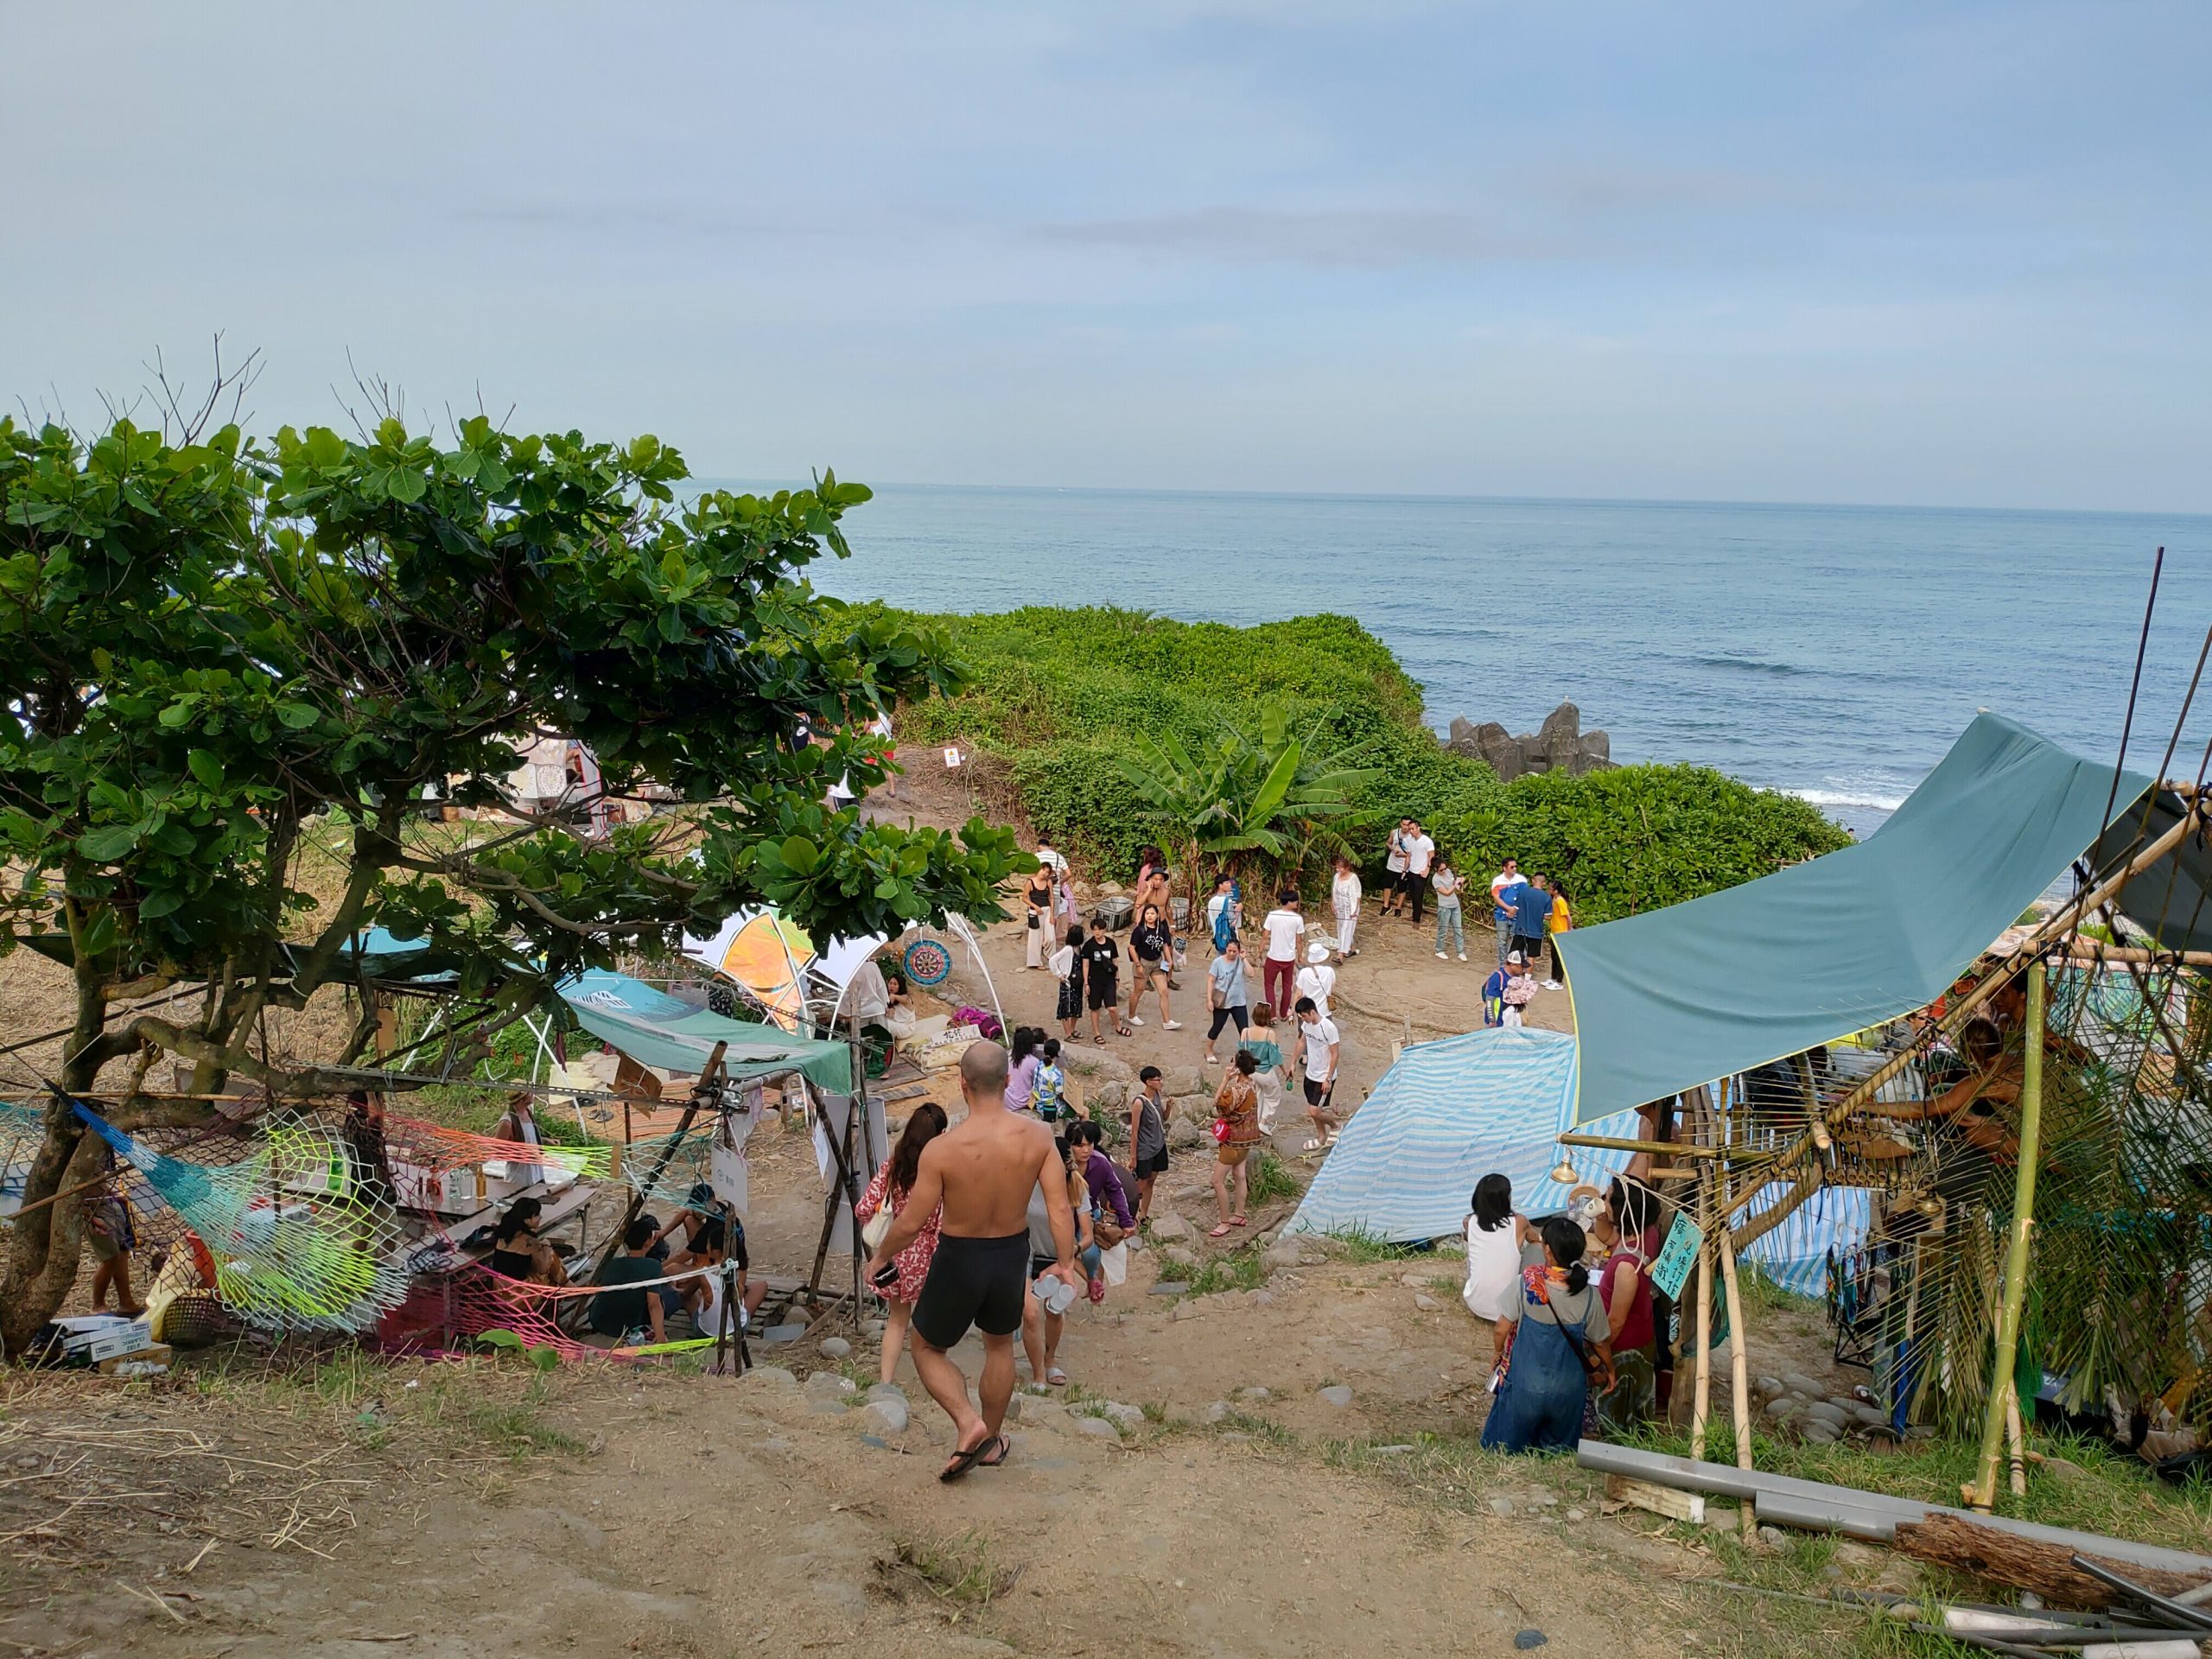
(2023, 1563)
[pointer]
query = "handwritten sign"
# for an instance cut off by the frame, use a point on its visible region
(1673, 1264)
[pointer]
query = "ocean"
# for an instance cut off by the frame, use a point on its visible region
(1834, 652)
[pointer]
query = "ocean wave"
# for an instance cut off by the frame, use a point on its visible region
(1751, 666)
(1862, 800)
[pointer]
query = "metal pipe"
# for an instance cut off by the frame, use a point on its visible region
(1815, 1499)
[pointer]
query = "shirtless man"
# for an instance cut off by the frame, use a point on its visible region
(983, 1170)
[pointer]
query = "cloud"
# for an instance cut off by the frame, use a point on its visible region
(1337, 238)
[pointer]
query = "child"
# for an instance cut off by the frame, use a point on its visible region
(1048, 1093)
(1520, 989)
(1494, 990)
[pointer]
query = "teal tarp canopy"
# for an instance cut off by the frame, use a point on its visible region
(655, 1029)
(1674, 998)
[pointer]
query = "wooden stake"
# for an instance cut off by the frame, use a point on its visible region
(2004, 1362)
(1701, 1401)
(2017, 1441)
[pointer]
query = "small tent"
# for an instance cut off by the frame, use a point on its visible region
(1450, 1112)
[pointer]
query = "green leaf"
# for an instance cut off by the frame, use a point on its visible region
(205, 767)
(109, 843)
(296, 715)
(800, 854)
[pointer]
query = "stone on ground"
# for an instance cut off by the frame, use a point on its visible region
(1427, 1304)
(1216, 1411)
(1336, 1395)
(1257, 1396)
(1773, 1537)
(836, 1348)
(1099, 1428)
(1170, 1229)
(885, 1417)
(1525, 1639)
(1124, 1417)
(827, 1387)
(1169, 1287)
(770, 1376)
(775, 1335)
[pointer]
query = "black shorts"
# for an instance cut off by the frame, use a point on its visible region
(1155, 1165)
(1409, 883)
(978, 1282)
(1316, 1091)
(1103, 994)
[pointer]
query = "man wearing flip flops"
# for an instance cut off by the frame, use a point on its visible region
(982, 1171)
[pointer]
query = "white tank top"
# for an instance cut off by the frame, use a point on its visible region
(1493, 1268)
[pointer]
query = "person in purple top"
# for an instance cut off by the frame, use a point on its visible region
(1104, 1179)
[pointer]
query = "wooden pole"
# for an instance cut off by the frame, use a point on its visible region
(1740, 1363)
(1701, 1401)
(2004, 1360)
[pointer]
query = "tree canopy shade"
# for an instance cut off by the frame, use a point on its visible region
(215, 652)
(1674, 998)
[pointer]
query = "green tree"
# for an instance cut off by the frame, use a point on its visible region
(217, 654)
(1281, 796)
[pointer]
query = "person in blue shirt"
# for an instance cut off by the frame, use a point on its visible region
(1504, 887)
(1532, 907)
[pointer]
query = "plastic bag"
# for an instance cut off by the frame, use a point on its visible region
(1113, 1264)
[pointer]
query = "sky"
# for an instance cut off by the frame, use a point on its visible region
(1910, 253)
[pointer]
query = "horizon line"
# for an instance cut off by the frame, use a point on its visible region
(731, 478)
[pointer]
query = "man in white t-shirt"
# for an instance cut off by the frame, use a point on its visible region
(1501, 905)
(1320, 1047)
(1394, 878)
(1316, 980)
(1421, 851)
(1285, 926)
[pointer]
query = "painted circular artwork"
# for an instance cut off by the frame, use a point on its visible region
(928, 963)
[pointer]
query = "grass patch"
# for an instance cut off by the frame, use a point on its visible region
(518, 1428)
(1238, 1270)
(1358, 1244)
(1761, 1296)
(1258, 1428)
(1267, 1177)
(2112, 1493)
(961, 1569)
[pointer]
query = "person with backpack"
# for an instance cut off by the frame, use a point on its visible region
(1049, 1098)
(1553, 1342)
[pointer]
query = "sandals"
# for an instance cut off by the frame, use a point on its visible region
(1314, 1146)
(964, 1458)
(999, 1443)
(1221, 1231)
(1238, 1220)
(1055, 1377)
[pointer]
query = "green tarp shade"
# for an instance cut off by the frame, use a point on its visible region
(655, 1029)
(1675, 998)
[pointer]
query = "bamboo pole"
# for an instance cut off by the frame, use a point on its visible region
(2017, 1442)
(1739, 1364)
(2004, 1362)
(1701, 1400)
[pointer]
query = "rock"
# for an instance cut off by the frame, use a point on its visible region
(1126, 1418)
(1283, 1253)
(797, 1314)
(776, 1334)
(1168, 1288)
(1098, 1428)
(1045, 1414)
(836, 1348)
(1336, 1395)
(1429, 1304)
(1576, 1515)
(1415, 1280)
(877, 1441)
(1187, 1129)
(1398, 1451)
(1804, 1384)
(1182, 1080)
(1768, 1387)
(1175, 1263)
(827, 1387)
(1781, 1409)
(1312, 1259)
(1527, 1639)
(2061, 1467)
(1453, 1248)
(1254, 1396)
(770, 1376)
(1501, 1505)
(1262, 1297)
(886, 1391)
(1215, 1411)
(1169, 1227)
(1868, 1416)
(1820, 1433)
(1189, 1310)
(1853, 1554)
(1111, 1095)
(1820, 1411)
(885, 1417)
(872, 1329)
(1773, 1537)
(1720, 1520)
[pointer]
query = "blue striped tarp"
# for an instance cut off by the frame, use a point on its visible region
(1453, 1111)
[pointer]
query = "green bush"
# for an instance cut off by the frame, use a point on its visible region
(1060, 693)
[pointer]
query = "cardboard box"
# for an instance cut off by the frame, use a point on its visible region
(128, 1337)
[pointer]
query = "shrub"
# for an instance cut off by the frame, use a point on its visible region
(1059, 696)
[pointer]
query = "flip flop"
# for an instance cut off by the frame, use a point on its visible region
(1221, 1231)
(964, 1458)
(1312, 1146)
(1238, 1220)
(1005, 1448)
(1055, 1377)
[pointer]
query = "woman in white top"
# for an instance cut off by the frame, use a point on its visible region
(1498, 1241)
(1344, 903)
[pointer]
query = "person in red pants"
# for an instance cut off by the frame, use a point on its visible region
(1285, 926)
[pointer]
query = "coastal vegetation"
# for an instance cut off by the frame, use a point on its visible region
(1077, 705)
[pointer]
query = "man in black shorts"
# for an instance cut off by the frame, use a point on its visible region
(982, 1171)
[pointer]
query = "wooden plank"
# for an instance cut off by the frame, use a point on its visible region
(1660, 1500)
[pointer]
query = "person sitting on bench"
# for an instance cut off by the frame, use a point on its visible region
(707, 1239)
(624, 1314)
